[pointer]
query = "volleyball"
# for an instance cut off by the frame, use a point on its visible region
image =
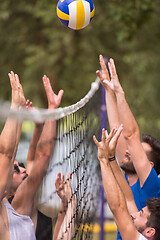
(75, 14)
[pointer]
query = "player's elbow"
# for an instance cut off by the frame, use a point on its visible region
(44, 151)
(45, 155)
(118, 205)
(132, 134)
(6, 152)
(115, 207)
(118, 211)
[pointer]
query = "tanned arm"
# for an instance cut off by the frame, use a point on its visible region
(114, 194)
(112, 110)
(130, 127)
(65, 220)
(25, 194)
(8, 138)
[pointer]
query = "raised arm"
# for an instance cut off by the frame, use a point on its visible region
(112, 110)
(8, 139)
(68, 222)
(119, 174)
(23, 200)
(64, 227)
(114, 194)
(23, 104)
(32, 147)
(130, 127)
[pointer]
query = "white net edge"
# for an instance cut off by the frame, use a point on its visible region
(41, 115)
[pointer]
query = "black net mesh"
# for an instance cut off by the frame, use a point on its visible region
(74, 153)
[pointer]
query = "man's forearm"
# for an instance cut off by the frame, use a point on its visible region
(115, 197)
(47, 139)
(114, 121)
(130, 126)
(59, 222)
(33, 145)
(67, 227)
(132, 136)
(124, 187)
(8, 137)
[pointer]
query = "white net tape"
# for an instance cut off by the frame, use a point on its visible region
(41, 115)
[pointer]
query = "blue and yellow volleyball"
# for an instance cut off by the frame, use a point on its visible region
(75, 14)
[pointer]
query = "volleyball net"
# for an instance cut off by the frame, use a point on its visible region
(74, 153)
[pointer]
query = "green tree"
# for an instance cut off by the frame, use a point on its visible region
(34, 42)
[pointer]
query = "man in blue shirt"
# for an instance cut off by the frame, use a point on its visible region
(133, 224)
(135, 158)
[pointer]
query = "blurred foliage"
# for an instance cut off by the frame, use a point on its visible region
(33, 42)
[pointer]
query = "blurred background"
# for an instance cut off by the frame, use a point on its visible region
(33, 42)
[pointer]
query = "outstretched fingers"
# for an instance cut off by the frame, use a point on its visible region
(58, 181)
(113, 141)
(15, 91)
(100, 76)
(106, 133)
(111, 134)
(12, 81)
(109, 84)
(118, 133)
(59, 97)
(53, 99)
(104, 67)
(103, 135)
(96, 141)
(20, 89)
(105, 74)
(48, 89)
(112, 68)
(115, 84)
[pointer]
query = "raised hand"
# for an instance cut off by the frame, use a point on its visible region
(63, 187)
(111, 81)
(53, 99)
(105, 74)
(103, 146)
(20, 89)
(15, 102)
(113, 141)
(67, 209)
(114, 83)
(16, 86)
(59, 185)
(18, 98)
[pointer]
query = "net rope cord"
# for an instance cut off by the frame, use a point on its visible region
(41, 115)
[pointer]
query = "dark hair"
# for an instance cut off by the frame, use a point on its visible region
(16, 167)
(21, 165)
(153, 205)
(154, 154)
